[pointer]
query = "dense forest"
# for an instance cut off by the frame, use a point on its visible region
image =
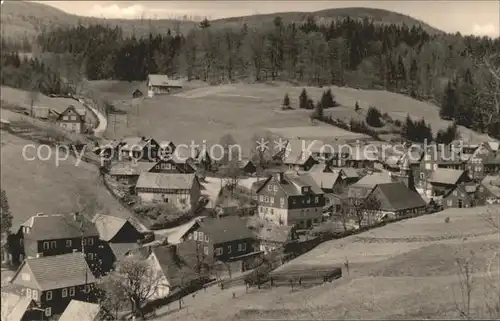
(446, 69)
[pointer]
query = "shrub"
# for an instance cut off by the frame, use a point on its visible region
(373, 117)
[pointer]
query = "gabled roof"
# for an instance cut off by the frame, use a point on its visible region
(108, 226)
(459, 187)
(178, 262)
(495, 146)
(120, 250)
(325, 180)
(14, 306)
(180, 232)
(225, 229)
(59, 271)
(349, 172)
(292, 184)
(446, 176)
(371, 180)
(59, 226)
(165, 181)
(130, 168)
(134, 143)
(396, 197)
(81, 311)
(492, 184)
(81, 112)
(163, 81)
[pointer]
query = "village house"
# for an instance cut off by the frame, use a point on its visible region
(484, 161)
(225, 239)
(185, 231)
(48, 235)
(117, 238)
(459, 197)
(329, 182)
(161, 84)
(82, 311)
(173, 165)
(437, 157)
(443, 180)
(397, 200)
(72, 119)
(362, 188)
(180, 190)
(129, 172)
(139, 149)
(166, 149)
(53, 281)
(107, 149)
(489, 190)
(15, 307)
(291, 199)
(177, 267)
(44, 113)
(272, 237)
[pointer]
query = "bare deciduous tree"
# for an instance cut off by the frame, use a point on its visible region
(361, 209)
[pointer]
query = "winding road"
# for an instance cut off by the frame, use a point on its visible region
(103, 122)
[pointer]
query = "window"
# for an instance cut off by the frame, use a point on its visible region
(48, 295)
(195, 236)
(64, 293)
(86, 288)
(190, 236)
(200, 236)
(91, 256)
(271, 210)
(218, 251)
(46, 245)
(422, 176)
(91, 241)
(261, 198)
(427, 166)
(34, 295)
(84, 241)
(26, 277)
(240, 247)
(48, 312)
(206, 238)
(316, 200)
(450, 203)
(68, 243)
(275, 188)
(455, 192)
(270, 188)
(72, 291)
(271, 199)
(282, 202)
(205, 250)
(244, 247)
(229, 249)
(53, 244)
(28, 293)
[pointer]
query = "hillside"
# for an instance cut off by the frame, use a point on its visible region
(20, 18)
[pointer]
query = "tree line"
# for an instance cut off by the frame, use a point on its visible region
(345, 52)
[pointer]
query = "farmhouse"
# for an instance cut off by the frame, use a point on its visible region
(483, 161)
(116, 230)
(443, 180)
(161, 84)
(185, 231)
(48, 235)
(489, 190)
(173, 165)
(365, 185)
(225, 239)
(291, 199)
(53, 281)
(397, 200)
(329, 182)
(129, 172)
(139, 148)
(72, 119)
(459, 197)
(181, 190)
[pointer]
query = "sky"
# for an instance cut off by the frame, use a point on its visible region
(467, 17)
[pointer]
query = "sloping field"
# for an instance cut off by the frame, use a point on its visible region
(242, 110)
(387, 279)
(42, 186)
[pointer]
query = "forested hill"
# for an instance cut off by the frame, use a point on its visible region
(21, 19)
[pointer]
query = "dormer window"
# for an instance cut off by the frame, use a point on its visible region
(306, 189)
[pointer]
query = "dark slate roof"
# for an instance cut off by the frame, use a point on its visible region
(59, 271)
(225, 229)
(59, 226)
(292, 183)
(396, 196)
